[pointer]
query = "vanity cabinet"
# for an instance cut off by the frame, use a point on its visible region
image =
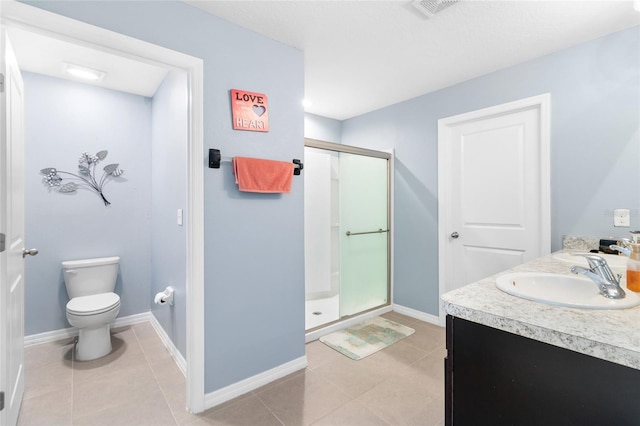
(493, 377)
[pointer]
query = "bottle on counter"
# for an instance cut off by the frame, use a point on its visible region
(633, 264)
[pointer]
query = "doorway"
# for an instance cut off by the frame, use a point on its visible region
(14, 15)
(493, 190)
(347, 232)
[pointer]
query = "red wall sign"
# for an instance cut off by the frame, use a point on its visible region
(250, 111)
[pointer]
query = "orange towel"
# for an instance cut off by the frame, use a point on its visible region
(258, 175)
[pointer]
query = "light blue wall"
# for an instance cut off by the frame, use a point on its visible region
(62, 120)
(595, 149)
(168, 194)
(254, 251)
(322, 128)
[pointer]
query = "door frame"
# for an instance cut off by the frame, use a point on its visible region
(445, 258)
(12, 224)
(61, 27)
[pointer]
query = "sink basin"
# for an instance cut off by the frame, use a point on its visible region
(613, 260)
(562, 290)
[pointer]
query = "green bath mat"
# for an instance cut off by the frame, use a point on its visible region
(366, 338)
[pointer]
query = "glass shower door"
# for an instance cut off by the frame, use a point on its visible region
(364, 233)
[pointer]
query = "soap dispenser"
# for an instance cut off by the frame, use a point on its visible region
(633, 264)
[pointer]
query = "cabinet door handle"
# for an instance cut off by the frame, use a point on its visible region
(454, 235)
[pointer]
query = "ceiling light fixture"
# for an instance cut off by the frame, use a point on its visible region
(431, 7)
(83, 73)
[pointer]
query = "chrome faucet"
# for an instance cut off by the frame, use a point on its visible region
(625, 248)
(600, 273)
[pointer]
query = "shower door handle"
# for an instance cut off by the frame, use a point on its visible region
(379, 231)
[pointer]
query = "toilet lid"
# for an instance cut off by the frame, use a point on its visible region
(94, 304)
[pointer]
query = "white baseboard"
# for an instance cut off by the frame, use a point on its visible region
(225, 394)
(68, 333)
(131, 319)
(50, 336)
(181, 362)
(422, 316)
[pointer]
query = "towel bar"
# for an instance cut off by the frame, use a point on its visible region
(215, 159)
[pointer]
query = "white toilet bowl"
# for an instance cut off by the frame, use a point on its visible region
(92, 315)
(93, 305)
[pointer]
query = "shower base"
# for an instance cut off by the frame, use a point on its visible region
(321, 311)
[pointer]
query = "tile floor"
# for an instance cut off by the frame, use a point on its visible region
(400, 385)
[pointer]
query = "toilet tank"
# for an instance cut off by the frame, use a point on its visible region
(90, 276)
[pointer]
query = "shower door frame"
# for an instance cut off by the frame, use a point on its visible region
(343, 322)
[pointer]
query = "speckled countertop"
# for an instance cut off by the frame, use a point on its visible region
(612, 335)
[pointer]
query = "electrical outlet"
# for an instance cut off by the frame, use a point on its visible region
(621, 217)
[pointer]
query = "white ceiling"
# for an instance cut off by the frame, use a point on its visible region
(43, 54)
(363, 55)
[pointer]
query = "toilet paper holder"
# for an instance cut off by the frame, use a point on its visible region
(164, 297)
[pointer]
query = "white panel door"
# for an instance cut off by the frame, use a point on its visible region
(12, 225)
(495, 183)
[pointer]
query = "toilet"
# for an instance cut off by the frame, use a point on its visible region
(92, 303)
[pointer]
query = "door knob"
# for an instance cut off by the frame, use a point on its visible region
(30, 252)
(454, 235)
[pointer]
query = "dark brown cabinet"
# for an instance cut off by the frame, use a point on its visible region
(493, 377)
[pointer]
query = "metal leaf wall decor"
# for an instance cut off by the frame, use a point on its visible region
(86, 175)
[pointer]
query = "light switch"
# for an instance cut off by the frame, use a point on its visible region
(621, 217)
(179, 217)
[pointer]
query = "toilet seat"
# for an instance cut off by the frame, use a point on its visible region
(94, 304)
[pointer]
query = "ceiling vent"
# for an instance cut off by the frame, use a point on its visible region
(431, 7)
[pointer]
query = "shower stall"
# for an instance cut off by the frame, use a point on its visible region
(347, 232)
